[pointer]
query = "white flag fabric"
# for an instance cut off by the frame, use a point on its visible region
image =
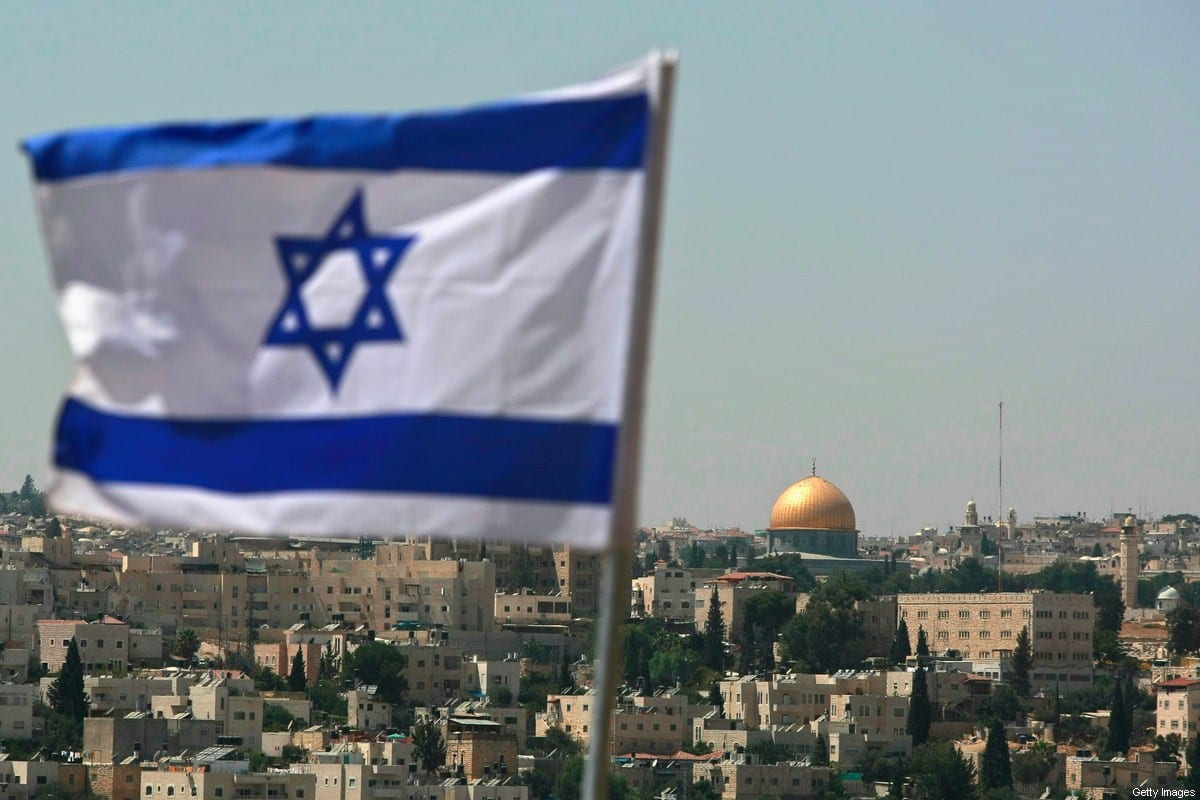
(398, 324)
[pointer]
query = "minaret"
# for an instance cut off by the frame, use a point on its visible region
(972, 516)
(1129, 562)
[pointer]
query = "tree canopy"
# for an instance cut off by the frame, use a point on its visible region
(382, 665)
(66, 695)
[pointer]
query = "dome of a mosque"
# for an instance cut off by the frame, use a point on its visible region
(813, 503)
(1169, 593)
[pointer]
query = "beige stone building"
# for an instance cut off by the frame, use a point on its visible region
(366, 711)
(1178, 707)
(482, 748)
(733, 590)
(16, 710)
(103, 645)
(1095, 779)
(735, 778)
(641, 723)
(667, 593)
(983, 626)
(207, 783)
(528, 608)
(399, 585)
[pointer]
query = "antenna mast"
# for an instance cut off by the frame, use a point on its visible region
(1000, 508)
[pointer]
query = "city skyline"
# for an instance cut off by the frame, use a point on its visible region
(880, 223)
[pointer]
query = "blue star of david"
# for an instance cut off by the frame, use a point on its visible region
(373, 320)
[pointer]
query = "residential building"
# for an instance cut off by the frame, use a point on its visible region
(1178, 707)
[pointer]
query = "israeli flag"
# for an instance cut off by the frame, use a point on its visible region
(398, 324)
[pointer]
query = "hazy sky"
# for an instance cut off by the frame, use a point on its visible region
(882, 219)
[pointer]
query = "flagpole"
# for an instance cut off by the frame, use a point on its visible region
(619, 559)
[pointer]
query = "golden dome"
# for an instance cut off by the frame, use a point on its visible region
(813, 503)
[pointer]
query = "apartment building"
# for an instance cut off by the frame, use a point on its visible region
(398, 585)
(1178, 707)
(366, 711)
(103, 645)
(233, 702)
(733, 590)
(983, 626)
(734, 777)
(666, 593)
(529, 608)
(1095, 779)
(16, 710)
(641, 723)
(480, 748)
(224, 781)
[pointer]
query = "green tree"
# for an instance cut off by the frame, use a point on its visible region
(31, 498)
(766, 614)
(560, 742)
(329, 668)
(1192, 759)
(428, 745)
(826, 636)
(53, 528)
(995, 766)
(186, 644)
(820, 752)
(1183, 629)
(1002, 704)
(1166, 748)
(922, 643)
(382, 665)
(1022, 664)
(1119, 722)
(941, 773)
(712, 640)
(326, 698)
(919, 716)
(672, 665)
(704, 790)
(1034, 765)
(901, 649)
(276, 718)
(297, 679)
(66, 695)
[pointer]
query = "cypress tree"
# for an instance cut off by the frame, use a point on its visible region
(296, 679)
(66, 693)
(922, 642)
(820, 752)
(900, 646)
(1022, 665)
(713, 639)
(1118, 723)
(995, 766)
(919, 716)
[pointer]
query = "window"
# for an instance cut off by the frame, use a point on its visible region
(944, 613)
(149, 791)
(964, 614)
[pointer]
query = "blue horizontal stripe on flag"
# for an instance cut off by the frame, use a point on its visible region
(605, 133)
(495, 458)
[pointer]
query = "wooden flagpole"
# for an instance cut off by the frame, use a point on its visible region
(619, 560)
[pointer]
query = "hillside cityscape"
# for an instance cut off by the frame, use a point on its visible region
(999, 658)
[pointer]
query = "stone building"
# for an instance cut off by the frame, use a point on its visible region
(983, 626)
(481, 748)
(667, 593)
(103, 645)
(1178, 707)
